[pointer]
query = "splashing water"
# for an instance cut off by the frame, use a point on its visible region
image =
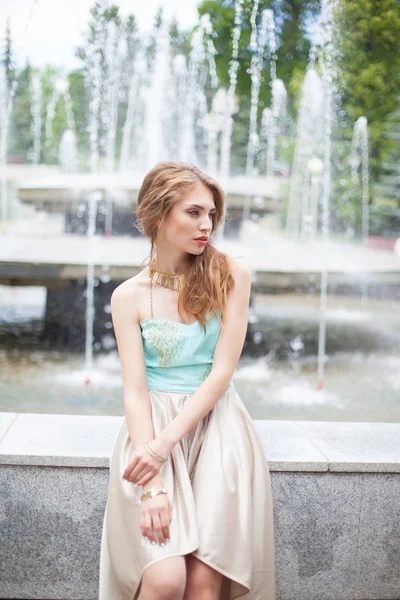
(68, 152)
(359, 154)
(233, 69)
(309, 144)
(6, 99)
(273, 122)
(36, 109)
(260, 36)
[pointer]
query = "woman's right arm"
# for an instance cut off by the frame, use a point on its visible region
(124, 303)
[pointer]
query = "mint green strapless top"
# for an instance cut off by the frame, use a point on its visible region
(178, 356)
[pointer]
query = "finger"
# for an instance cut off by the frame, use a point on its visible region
(157, 527)
(133, 470)
(143, 467)
(129, 468)
(147, 525)
(170, 511)
(165, 522)
(143, 474)
(142, 524)
(144, 477)
(140, 465)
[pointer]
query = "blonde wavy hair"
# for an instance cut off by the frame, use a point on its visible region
(208, 278)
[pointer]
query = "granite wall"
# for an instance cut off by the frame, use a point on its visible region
(336, 493)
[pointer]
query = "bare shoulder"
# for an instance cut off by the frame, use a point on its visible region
(241, 271)
(126, 296)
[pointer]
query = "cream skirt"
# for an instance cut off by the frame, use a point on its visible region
(218, 482)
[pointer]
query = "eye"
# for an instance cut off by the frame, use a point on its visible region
(196, 212)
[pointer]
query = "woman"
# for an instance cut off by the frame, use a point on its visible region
(189, 505)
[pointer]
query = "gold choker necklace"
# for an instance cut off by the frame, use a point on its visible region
(172, 282)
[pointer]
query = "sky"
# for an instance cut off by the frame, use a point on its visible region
(48, 31)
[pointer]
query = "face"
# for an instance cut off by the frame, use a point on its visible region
(191, 218)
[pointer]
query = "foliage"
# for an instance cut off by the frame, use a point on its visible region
(368, 43)
(21, 139)
(385, 215)
(292, 19)
(388, 185)
(370, 68)
(8, 60)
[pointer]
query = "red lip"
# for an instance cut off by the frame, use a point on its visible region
(203, 238)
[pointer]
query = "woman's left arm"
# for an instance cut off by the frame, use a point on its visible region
(226, 356)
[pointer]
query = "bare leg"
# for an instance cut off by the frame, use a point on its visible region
(165, 580)
(202, 581)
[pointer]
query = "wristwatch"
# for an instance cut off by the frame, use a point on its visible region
(153, 492)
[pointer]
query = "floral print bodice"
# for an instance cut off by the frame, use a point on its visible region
(178, 356)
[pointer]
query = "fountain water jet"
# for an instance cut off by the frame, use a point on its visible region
(94, 81)
(68, 152)
(61, 90)
(327, 62)
(274, 121)
(36, 108)
(359, 153)
(260, 36)
(154, 138)
(7, 93)
(309, 144)
(230, 103)
(139, 69)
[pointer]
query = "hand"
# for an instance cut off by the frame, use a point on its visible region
(143, 467)
(156, 514)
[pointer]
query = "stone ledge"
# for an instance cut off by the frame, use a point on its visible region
(335, 489)
(86, 441)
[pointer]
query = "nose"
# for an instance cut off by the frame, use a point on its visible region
(205, 231)
(206, 226)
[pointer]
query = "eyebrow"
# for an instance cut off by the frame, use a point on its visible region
(202, 207)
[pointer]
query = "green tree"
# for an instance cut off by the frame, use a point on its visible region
(369, 39)
(51, 143)
(385, 214)
(21, 138)
(76, 82)
(152, 44)
(7, 58)
(129, 30)
(388, 186)
(102, 15)
(292, 21)
(180, 40)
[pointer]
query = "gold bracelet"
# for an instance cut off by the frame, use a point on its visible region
(153, 492)
(153, 453)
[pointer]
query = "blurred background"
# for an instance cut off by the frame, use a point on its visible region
(293, 105)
